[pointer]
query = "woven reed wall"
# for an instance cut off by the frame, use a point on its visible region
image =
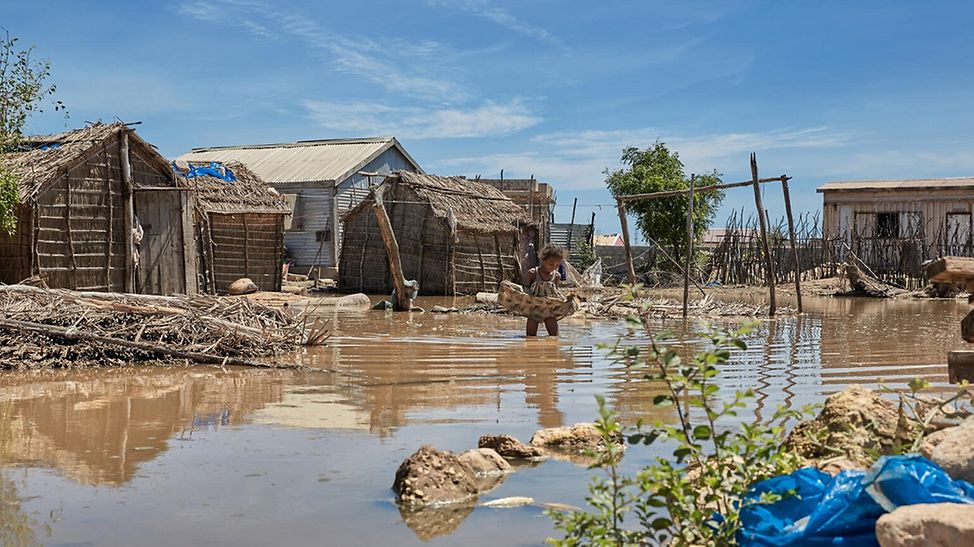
(477, 262)
(15, 252)
(245, 245)
(79, 232)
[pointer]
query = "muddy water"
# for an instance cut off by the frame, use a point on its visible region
(199, 456)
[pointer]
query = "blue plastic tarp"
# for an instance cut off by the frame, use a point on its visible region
(818, 509)
(214, 169)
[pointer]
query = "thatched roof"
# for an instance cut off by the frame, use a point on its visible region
(50, 156)
(247, 194)
(475, 206)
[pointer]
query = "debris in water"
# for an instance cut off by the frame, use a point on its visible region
(509, 503)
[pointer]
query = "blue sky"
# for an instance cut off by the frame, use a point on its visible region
(820, 90)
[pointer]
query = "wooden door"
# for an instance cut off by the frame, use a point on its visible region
(162, 263)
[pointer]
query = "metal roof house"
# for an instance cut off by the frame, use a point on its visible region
(878, 217)
(321, 180)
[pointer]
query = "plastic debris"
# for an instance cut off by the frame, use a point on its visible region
(815, 508)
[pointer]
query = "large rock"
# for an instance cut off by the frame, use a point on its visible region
(430, 476)
(932, 440)
(577, 438)
(955, 452)
(509, 447)
(853, 422)
(485, 461)
(244, 285)
(933, 524)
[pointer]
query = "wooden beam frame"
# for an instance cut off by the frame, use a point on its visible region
(755, 182)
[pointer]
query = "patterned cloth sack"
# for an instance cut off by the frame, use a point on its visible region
(513, 298)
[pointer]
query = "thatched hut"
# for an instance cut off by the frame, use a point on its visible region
(99, 209)
(240, 226)
(455, 236)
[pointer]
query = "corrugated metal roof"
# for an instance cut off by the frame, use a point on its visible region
(329, 161)
(907, 184)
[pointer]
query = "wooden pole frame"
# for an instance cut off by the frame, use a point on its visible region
(690, 238)
(758, 204)
(794, 245)
(625, 240)
(755, 182)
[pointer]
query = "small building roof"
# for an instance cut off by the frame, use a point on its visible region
(474, 206)
(330, 161)
(247, 194)
(50, 156)
(906, 184)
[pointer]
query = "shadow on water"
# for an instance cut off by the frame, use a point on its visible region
(308, 457)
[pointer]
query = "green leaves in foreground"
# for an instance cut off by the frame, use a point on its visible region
(693, 496)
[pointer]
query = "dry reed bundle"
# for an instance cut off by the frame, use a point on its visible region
(58, 328)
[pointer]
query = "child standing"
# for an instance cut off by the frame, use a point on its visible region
(543, 281)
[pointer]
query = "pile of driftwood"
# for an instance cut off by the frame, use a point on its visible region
(45, 328)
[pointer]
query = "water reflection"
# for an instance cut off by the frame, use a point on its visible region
(329, 441)
(98, 426)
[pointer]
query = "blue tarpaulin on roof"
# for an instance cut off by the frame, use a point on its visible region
(213, 169)
(818, 509)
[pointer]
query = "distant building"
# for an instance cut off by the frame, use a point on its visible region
(934, 212)
(607, 240)
(321, 180)
(455, 236)
(101, 210)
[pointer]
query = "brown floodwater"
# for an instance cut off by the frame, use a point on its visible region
(202, 456)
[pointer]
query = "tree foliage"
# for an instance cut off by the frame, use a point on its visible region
(657, 169)
(24, 88)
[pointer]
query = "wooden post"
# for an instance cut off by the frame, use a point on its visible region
(625, 241)
(571, 227)
(794, 245)
(246, 237)
(591, 232)
(392, 250)
(769, 271)
(111, 223)
(129, 214)
(686, 271)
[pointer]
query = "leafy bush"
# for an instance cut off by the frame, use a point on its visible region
(693, 497)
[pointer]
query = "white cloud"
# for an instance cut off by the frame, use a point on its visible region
(486, 119)
(577, 160)
(501, 17)
(359, 56)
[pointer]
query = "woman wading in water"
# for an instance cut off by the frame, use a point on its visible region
(543, 282)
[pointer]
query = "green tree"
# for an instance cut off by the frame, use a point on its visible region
(24, 87)
(657, 169)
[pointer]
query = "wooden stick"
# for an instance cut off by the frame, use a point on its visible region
(686, 271)
(128, 214)
(402, 302)
(769, 273)
(625, 240)
(673, 193)
(794, 245)
(153, 347)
